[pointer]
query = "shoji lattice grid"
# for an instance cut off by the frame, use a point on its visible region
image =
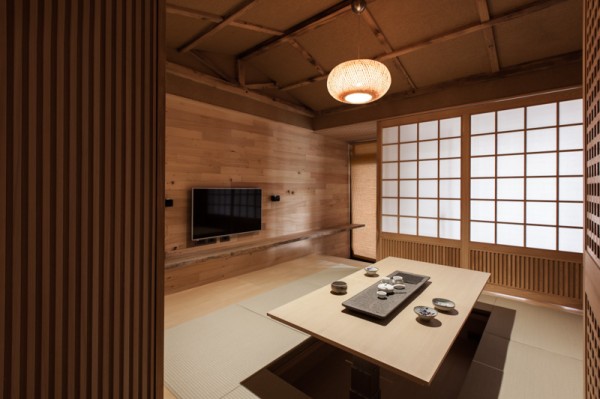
(526, 176)
(420, 172)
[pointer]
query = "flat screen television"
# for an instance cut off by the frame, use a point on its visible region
(218, 212)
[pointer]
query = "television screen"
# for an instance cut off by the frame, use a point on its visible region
(224, 211)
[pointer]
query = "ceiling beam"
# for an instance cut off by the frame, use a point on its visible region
(307, 56)
(195, 14)
(239, 10)
(376, 30)
(298, 29)
(514, 14)
(488, 35)
(211, 81)
(207, 63)
(303, 83)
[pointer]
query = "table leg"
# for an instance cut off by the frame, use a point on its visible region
(364, 381)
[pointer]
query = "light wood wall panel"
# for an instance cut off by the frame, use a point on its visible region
(591, 259)
(208, 146)
(81, 168)
(421, 250)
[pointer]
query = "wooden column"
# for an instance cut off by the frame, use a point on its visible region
(81, 182)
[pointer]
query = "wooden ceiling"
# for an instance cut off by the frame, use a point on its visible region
(279, 52)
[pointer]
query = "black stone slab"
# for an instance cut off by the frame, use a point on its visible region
(367, 302)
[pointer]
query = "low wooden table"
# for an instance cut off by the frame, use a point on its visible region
(401, 343)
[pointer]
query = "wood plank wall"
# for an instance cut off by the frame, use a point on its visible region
(81, 169)
(591, 259)
(208, 146)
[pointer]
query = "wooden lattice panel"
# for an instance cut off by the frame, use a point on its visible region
(592, 352)
(424, 252)
(540, 275)
(592, 124)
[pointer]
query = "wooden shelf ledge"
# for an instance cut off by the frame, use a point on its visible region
(187, 256)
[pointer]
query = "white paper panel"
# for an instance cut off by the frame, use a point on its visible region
(571, 138)
(450, 188)
(541, 115)
(408, 226)
(571, 112)
(408, 207)
(389, 135)
(511, 119)
(483, 145)
(541, 189)
(450, 209)
(483, 188)
(428, 149)
(570, 163)
(428, 188)
(570, 214)
(450, 148)
(510, 165)
(483, 123)
(570, 240)
(541, 140)
(511, 189)
(509, 211)
(428, 227)
(428, 208)
(389, 206)
(428, 130)
(408, 170)
(570, 189)
(389, 153)
(540, 237)
(389, 188)
(450, 127)
(482, 167)
(428, 169)
(510, 234)
(408, 133)
(541, 164)
(483, 232)
(389, 224)
(450, 229)
(511, 143)
(541, 212)
(408, 188)
(450, 168)
(389, 170)
(408, 152)
(483, 210)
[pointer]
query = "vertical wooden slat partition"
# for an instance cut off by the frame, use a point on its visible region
(591, 258)
(81, 216)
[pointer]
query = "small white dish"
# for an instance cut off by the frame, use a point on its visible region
(386, 288)
(399, 286)
(425, 313)
(386, 280)
(371, 271)
(398, 279)
(443, 304)
(381, 294)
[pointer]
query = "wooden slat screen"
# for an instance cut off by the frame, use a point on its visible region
(81, 171)
(421, 251)
(363, 176)
(591, 96)
(530, 273)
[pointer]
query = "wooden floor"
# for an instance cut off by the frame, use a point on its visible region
(545, 339)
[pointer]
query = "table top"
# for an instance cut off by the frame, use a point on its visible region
(399, 343)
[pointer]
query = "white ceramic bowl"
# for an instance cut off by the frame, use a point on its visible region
(371, 270)
(443, 304)
(425, 313)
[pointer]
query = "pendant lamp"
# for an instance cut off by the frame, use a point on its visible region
(359, 81)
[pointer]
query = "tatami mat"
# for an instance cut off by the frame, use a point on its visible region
(209, 356)
(281, 295)
(533, 373)
(547, 329)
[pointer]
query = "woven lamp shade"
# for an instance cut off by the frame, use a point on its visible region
(359, 81)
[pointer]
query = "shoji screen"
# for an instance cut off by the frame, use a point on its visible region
(591, 260)
(81, 166)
